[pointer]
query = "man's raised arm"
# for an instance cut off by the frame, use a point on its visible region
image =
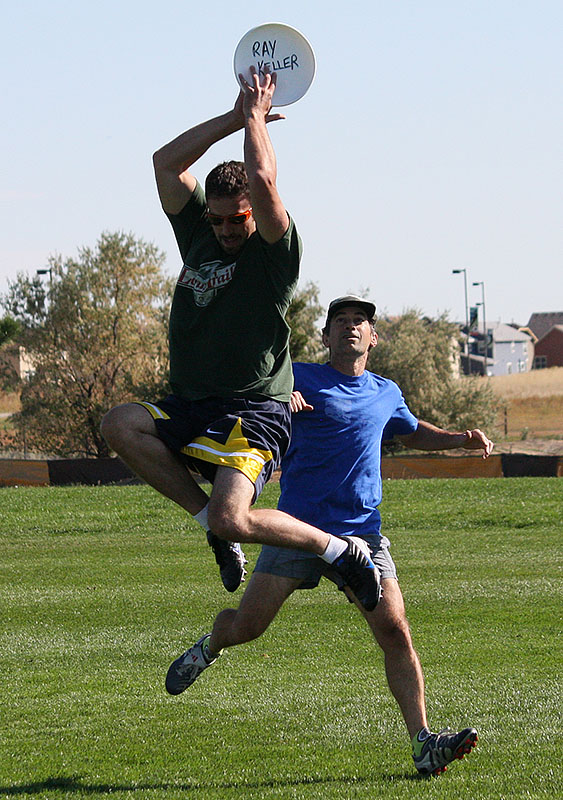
(172, 162)
(259, 157)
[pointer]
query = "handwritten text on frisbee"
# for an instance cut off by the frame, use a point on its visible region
(268, 48)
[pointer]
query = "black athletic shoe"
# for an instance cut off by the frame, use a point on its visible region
(231, 561)
(440, 749)
(189, 666)
(359, 573)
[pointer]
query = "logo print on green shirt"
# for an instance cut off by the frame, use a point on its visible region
(205, 281)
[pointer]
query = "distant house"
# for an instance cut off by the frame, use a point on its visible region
(549, 349)
(507, 350)
(531, 347)
(512, 350)
(541, 323)
(14, 359)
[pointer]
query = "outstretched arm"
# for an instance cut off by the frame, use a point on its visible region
(172, 162)
(259, 157)
(429, 437)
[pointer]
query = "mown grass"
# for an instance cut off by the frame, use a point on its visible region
(102, 587)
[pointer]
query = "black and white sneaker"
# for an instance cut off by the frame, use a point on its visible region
(189, 666)
(440, 749)
(359, 572)
(230, 559)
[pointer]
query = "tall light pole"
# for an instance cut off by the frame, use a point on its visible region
(482, 285)
(458, 272)
(49, 271)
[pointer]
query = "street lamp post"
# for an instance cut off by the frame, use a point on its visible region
(47, 271)
(485, 333)
(458, 272)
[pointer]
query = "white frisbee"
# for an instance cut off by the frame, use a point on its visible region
(278, 48)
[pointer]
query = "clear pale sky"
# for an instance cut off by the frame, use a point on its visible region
(431, 138)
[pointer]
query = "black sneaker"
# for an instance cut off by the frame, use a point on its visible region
(189, 666)
(231, 561)
(440, 749)
(359, 573)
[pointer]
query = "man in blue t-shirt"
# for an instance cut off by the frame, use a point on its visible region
(331, 477)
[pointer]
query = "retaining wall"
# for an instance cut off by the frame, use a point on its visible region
(96, 471)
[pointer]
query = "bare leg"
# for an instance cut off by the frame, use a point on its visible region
(260, 603)
(231, 517)
(266, 594)
(390, 627)
(130, 431)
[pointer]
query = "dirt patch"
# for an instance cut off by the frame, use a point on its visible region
(531, 447)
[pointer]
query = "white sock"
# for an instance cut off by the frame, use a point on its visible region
(334, 548)
(201, 517)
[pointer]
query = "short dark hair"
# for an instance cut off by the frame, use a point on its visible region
(228, 179)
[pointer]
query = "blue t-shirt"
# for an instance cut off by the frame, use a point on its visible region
(331, 474)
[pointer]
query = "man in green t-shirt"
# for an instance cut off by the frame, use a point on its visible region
(228, 416)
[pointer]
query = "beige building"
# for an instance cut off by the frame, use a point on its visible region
(14, 357)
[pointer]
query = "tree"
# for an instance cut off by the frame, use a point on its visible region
(96, 336)
(419, 353)
(9, 327)
(305, 341)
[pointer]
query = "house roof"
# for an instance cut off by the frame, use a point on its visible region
(554, 328)
(506, 333)
(541, 322)
(530, 333)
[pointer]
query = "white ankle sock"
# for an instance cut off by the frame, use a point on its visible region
(201, 517)
(334, 548)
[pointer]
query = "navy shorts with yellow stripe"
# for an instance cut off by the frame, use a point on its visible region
(249, 435)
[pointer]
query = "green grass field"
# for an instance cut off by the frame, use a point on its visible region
(102, 587)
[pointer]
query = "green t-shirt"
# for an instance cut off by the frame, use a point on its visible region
(228, 334)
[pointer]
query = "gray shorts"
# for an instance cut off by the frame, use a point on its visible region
(310, 568)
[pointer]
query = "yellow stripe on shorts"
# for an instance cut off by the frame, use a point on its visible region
(154, 411)
(236, 452)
